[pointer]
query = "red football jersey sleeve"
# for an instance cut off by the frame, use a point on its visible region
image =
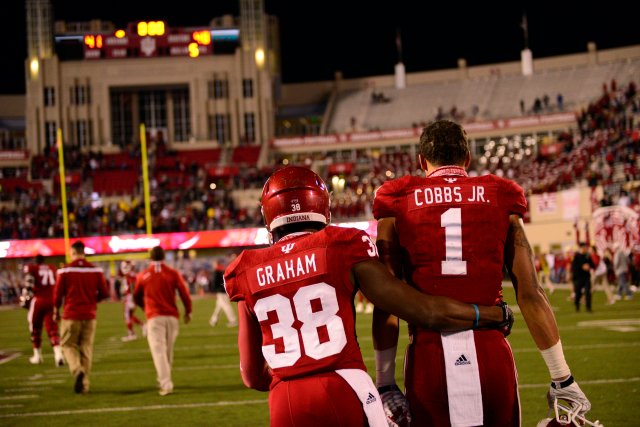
(385, 198)
(453, 229)
(300, 292)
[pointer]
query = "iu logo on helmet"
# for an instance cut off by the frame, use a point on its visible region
(287, 248)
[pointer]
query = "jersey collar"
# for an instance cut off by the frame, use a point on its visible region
(294, 235)
(448, 170)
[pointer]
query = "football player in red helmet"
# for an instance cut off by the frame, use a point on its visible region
(296, 310)
(293, 195)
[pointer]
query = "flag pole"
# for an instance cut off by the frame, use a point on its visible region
(145, 178)
(399, 44)
(63, 194)
(525, 28)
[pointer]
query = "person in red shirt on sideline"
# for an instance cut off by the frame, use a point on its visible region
(127, 283)
(450, 234)
(81, 285)
(296, 309)
(155, 292)
(41, 279)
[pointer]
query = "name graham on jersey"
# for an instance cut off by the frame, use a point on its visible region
(435, 195)
(287, 269)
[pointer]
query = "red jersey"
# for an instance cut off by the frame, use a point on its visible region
(44, 280)
(81, 285)
(156, 291)
(301, 294)
(453, 229)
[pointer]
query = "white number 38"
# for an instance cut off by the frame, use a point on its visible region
(308, 338)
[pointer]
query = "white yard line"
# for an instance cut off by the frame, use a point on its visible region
(582, 347)
(136, 408)
(30, 383)
(10, 358)
(241, 402)
(19, 397)
(23, 389)
(592, 382)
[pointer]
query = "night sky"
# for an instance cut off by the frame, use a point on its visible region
(359, 38)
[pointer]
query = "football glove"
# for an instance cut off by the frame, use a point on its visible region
(507, 319)
(569, 391)
(26, 296)
(396, 406)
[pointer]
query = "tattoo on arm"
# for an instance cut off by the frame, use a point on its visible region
(520, 239)
(518, 242)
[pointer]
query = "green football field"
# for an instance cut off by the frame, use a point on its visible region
(601, 348)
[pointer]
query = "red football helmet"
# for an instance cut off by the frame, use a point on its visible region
(294, 194)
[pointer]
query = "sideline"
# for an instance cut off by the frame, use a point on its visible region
(136, 408)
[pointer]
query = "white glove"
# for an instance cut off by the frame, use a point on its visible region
(396, 406)
(569, 391)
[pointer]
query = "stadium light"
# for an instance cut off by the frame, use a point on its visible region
(260, 58)
(34, 67)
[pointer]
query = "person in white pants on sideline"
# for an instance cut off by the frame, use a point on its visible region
(223, 303)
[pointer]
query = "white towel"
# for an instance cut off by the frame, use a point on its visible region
(367, 392)
(463, 379)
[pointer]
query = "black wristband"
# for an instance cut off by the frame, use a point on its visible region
(505, 316)
(563, 384)
(386, 388)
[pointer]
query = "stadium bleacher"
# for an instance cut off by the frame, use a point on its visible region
(495, 96)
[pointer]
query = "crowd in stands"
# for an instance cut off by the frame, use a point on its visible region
(379, 98)
(604, 151)
(187, 192)
(543, 105)
(190, 192)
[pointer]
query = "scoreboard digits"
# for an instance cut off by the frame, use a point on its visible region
(145, 39)
(151, 28)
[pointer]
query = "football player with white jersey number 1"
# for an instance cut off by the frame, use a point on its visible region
(450, 234)
(296, 309)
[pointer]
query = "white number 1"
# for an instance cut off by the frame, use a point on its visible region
(453, 264)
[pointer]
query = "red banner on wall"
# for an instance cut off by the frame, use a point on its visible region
(13, 155)
(238, 237)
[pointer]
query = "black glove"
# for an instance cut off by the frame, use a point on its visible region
(396, 406)
(507, 319)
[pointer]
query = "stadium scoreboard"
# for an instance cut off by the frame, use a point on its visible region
(147, 39)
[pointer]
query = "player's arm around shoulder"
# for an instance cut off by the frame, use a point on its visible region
(430, 312)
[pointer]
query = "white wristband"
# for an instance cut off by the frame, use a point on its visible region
(385, 366)
(554, 358)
